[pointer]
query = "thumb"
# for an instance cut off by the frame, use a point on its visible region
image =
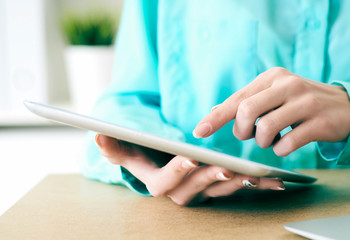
(127, 155)
(115, 150)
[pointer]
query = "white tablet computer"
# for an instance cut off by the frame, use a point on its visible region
(322, 229)
(200, 154)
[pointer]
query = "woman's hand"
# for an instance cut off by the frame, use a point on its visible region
(278, 99)
(181, 178)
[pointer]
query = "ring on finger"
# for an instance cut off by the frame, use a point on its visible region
(248, 183)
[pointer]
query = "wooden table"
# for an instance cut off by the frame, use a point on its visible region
(72, 207)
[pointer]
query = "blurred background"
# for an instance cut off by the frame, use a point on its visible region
(58, 52)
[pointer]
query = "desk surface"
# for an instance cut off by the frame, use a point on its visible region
(71, 207)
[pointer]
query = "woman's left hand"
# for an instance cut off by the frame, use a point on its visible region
(278, 98)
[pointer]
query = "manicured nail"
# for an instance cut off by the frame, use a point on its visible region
(188, 164)
(248, 184)
(201, 130)
(215, 107)
(278, 188)
(221, 176)
(277, 179)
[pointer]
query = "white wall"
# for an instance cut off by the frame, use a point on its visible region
(86, 5)
(32, 46)
(24, 74)
(3, 83)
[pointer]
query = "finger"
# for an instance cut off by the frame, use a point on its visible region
(270, 125)
(221, 189)
(112, 148)
(125, 155)
(250, 109)
(295, 139)
(165, 179)
(271, 183)
(157, 180)
(197, 181)
(227, 110)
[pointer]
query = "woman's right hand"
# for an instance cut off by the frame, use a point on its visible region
(178, 177)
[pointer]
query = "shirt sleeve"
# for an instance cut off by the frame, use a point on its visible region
(132, 99)
(339, 151)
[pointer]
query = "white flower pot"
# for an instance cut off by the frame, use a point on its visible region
(89, 70)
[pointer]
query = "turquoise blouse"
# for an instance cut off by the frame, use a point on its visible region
(175, 60)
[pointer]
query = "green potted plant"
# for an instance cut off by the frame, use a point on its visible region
(89, 54)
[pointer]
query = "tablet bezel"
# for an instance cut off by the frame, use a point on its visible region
(200, 154)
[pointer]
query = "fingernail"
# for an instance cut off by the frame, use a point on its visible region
(215, 107)
(98, 140)
(201, 130)
(247, 183)
(277, 179)
(278, 188)
(221, 176)
(188, 164)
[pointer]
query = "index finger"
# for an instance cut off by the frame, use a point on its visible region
(223, 113)
(227, 110)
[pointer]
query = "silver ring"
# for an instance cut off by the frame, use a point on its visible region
(248, 184)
